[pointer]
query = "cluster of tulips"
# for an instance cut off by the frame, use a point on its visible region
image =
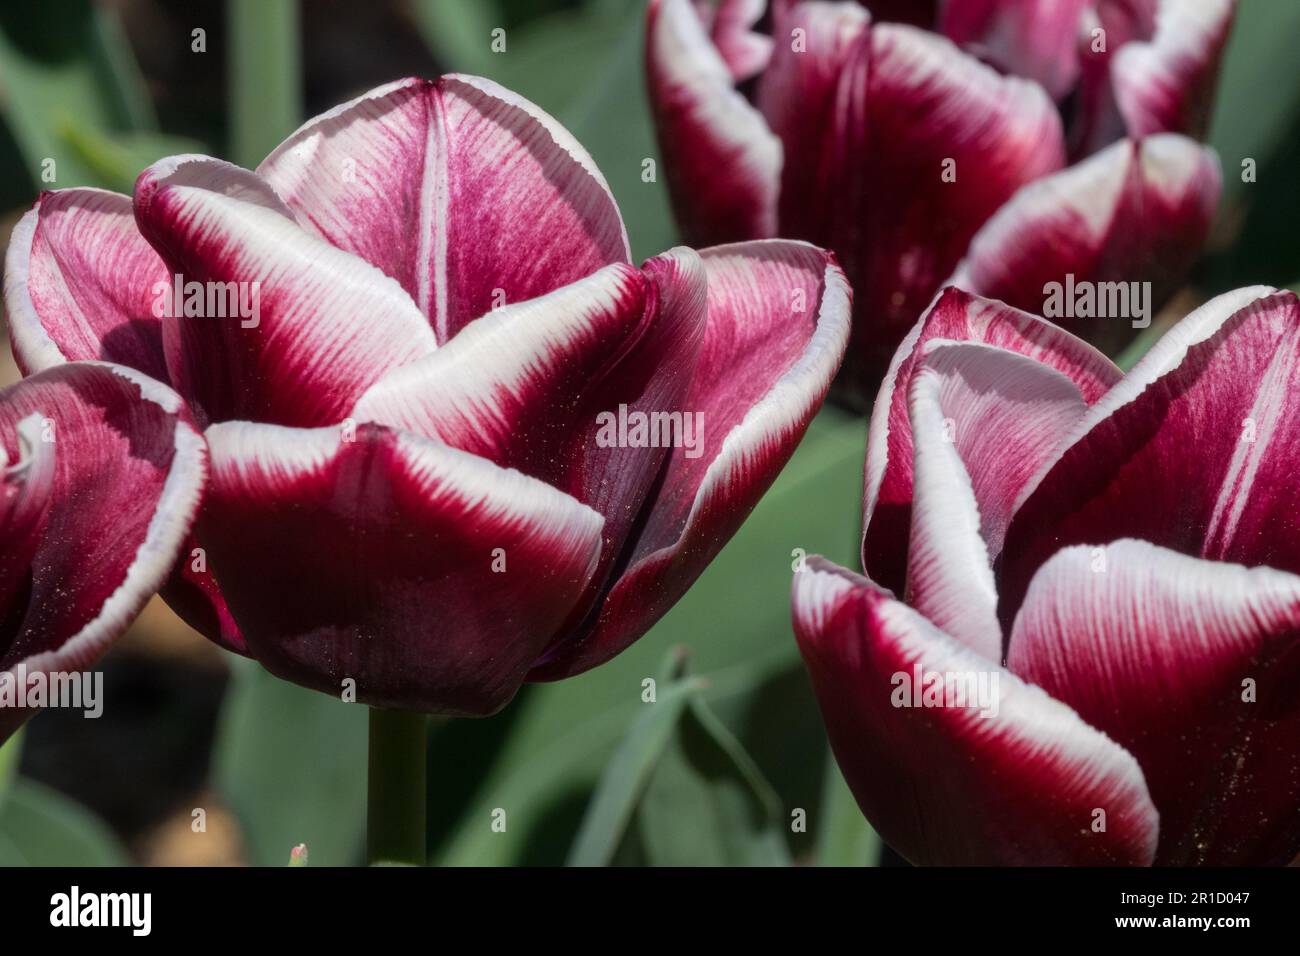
(392, 480)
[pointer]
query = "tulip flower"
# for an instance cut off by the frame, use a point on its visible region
(911, 158)
(457, 440)
(100, 478)
(1078, 640)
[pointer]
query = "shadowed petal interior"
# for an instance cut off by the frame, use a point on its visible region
(778, 316)
(961, 317)
(100, 478)
(81, 283)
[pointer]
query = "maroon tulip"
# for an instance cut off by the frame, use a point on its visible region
(432, 472)
(906, 155)
(100, 479)
(1108, 564)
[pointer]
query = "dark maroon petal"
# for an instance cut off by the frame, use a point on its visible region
(81, 283)
(100, 478)
(464, 192)
(961, 317)
(1193, 666)
(314, 326)
(1012, 777)
(723, 163)
(778, 315)
(917, 13)
(1135, 212)
(1167, 85)
(1033, 38)
(930, 143)
(1191, 451)
(428, 576)
(193, 593)
(536, 386)
(799, 96)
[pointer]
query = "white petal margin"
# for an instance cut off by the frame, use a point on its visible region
(371, 554)
(1167, 84)
(472, 392)
(1072, 218)
(1168, 353)
(457, 188)
(673, 551)
(329, 323)
(983, 420)
(724, 162)
(173, 515)
(1008, 414)
(1192, 665)
(1013, 776)
(94, 274)
(949, 574)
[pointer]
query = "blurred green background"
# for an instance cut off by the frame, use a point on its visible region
(203, 758)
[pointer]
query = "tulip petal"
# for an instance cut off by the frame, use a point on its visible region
(540, 386)
(799, 97)
(930, 143)
(1037, 39)
(100, 478)
(1192, 666)
(315, 325)
(778, 317)
(961, 317)
(723, 163)
(1167, 84)
(1107, 27)
(1221, 382)
(459, 189)
(730, 25)
(1009, 776)
(430, 577)
(192, 591)
(81, 283)
(1135, 212)
(983, 422)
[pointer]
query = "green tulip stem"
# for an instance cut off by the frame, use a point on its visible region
(395, 804)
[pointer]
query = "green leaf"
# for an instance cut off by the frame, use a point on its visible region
(41, 827)
(117, 159)
(292, 763)
(614, 803)
(707, 803)
(64, 64)
(844, 837)
(1259, 88)
(10, 752)
(686, 786)
(265, 71)
(459, 32)
(556, 738)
